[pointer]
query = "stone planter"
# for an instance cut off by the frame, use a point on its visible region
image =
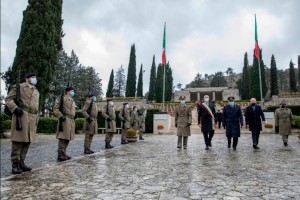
(269, 130)
(131, 135)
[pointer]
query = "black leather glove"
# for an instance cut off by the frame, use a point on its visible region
(89, 119)
(176, 125)
(132, 125)
(62, 118)
(224, 127)
(276, 129)
(108, 119)
(18, 111)
(189, 124)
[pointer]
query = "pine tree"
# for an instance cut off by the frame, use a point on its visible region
(273, 77)
(159, 84)
(139, 92)
(38, 45)
(218, 80)
(254, 78)
(293, 86)
(152, 83)
(120, 80)
(110, 87)
(245, 88)
(131, 76)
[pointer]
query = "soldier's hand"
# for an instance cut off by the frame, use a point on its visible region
(108, 119)
(89, 119)
(189, 124)
(132, 125)
(18, 111)
(62, 118)
(224, 127)
(176, 125)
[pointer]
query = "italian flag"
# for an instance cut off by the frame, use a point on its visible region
(256, 50)
(163, 56)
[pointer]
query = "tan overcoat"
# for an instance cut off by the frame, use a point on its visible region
(183, 117)
(141, 122)
(94, 113)
(30, 98)
(284, 119)
(134, 120)
(125, 115)
(69, 124)
(112, 115)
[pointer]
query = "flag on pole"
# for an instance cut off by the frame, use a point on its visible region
(163, 56)
(256, 51)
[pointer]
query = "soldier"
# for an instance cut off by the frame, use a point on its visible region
(124, 115)
(64, 110)
(134, 118)
(183, 121)
(283, 122)
(232, 118)
(26, 114)
(90, 126)
(109, 115)
(206, 120)
(141, 122)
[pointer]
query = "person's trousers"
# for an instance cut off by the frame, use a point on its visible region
(179, 141)
(285, 138)
(255, 137)
(19, 151)
(219, 125)
(208, 137)
(124, 134)
(141, 133)
(88, 140)
(235, 142)
(109, 136)
(62, 146)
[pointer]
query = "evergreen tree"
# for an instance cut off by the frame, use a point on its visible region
(159, 84)
(299, 72)
(293, 86)
(119, 87)
(110, 87)
(38, 45)
(273, 77)
(197, 82)
(131, 76)
(245, 85)
(152, 84)
(254, 78)
(218, 80)
(168, 83)
(139, 92)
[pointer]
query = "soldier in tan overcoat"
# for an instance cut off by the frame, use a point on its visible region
(183, 121)
(28, 115)
(109, 115)
(66, 124)
(283, 122)
(124, 115)
(90, 126)
(141, 121)
(134, 118)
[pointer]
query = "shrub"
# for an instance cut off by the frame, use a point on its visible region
(295, 109)
(149, 119)
(47, 125)
(131, 132)
(268, 125)
(79, 124)
(4, 117)
(6, 124)
(160, 126)
(296, 121)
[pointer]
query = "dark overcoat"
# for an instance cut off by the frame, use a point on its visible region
(232, 119)
(204, 117)
(253, 118)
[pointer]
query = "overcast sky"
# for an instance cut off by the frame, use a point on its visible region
(202, 36)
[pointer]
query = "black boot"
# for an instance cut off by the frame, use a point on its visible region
(141, 138)
(16, 168)
(235, 142)
(87, 151)
(92, 151)
(68, 157)
(124, 142)
(108, 146)
(229, 142)
(185, 139)
(24, 167)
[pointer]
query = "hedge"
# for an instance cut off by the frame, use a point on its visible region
(296, 123)
(149, 119)
(295, 109)
(6, 124)
(79, 124)
(47, 125)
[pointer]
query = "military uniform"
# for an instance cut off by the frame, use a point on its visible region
(90, 126)
(64, 136)
(124, 115)
(283, 120)
(141, 123)
(134, 119)
(21, 139)
(110, 124)
(183, 121)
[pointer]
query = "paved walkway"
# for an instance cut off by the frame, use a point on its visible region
(156, 169)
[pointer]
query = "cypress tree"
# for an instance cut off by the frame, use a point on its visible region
(131, 76)
(38, 45)
(152, 83)
(110, 87)
(273, 77)
(245, 88)
(293, 87)
(169, 83)
(139, 92)
(299, 72)
(159, 84)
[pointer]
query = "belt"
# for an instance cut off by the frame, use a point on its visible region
(30, 110)
(69, 116)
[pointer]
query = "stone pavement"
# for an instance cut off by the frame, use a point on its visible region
(156, 169)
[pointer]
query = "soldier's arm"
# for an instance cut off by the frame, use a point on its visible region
(176, 115)
(10, 100)
(56, 110)
(121, 115)
(105, 116)
(190, 115)
(85, 108)
(241, 116)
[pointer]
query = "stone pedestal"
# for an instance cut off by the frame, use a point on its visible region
(163, 119)
(269, 116)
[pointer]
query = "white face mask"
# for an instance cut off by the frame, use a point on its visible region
(126, 106)
(182, 101)
(206, 99)
(111, 103)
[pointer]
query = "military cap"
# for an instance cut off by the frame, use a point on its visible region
(69, 88)
(125, 104)
(29, 75)
(230, 98)
(90, 95)
(182, 97)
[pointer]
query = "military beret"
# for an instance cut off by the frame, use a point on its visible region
(230, 98)
(90, 95)
(125, 104)
(29, 75)
(69, 88)
(182, 97)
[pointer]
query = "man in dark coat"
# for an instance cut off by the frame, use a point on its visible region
(219, 118)
(232, 121)
(206, 120)
(254, 115)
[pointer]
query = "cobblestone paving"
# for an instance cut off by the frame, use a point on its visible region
(156, 169)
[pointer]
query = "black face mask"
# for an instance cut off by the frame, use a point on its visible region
(253, 104)
(282, 106)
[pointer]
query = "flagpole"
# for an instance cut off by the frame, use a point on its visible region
(260, 82)
(164, 78)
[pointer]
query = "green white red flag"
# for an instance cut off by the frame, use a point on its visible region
(256, 50)
(163, 56)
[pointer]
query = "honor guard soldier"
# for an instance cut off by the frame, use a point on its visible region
(109, 115)
(141, 122)
(90, 126)
(124, 115)
(283, 122)
(23, 102)
(134, 118)
(183, 121)
(64, 110)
